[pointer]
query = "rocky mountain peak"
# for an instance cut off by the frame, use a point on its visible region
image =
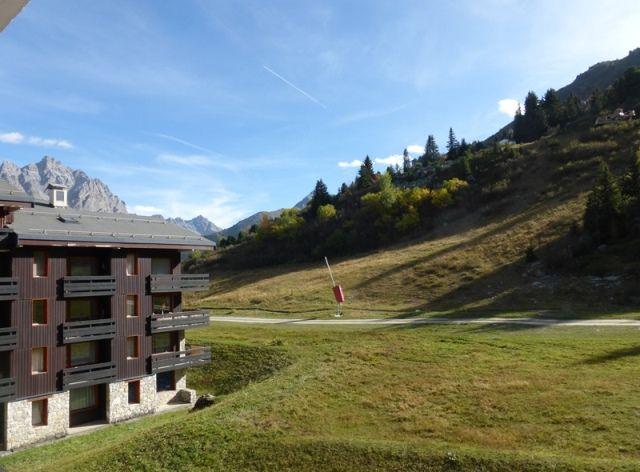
(84, 192)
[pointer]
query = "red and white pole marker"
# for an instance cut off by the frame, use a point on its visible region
(338, 293)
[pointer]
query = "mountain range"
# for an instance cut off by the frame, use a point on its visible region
(86, 193)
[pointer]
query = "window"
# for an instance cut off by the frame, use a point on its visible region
(83, 398)
(84, 265)
(132, 264)
(162, 342)
(59, 195)
(82, 353)
(40, 263)
(133, 347)
(161, 266)
(39, 313)
(162, 304)
(134, 391)
(38, 360)
(39, 412)
(80, 309)
(165, 381)
(132, 305)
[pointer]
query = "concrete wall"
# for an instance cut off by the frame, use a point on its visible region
(118, 406)
(20, 432)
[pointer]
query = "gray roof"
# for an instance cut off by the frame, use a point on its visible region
(11, 193)
(45, 223)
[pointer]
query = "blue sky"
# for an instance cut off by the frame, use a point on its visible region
(227, 108)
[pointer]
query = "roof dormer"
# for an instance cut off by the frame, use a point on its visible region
(57, 195)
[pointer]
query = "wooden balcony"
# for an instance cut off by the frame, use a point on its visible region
(7, 389)
(166, 361)
(178, 321)
(8, 288)
(90, 374)
(178, 283)
(89, 330)
(88, 286)
(8, 339)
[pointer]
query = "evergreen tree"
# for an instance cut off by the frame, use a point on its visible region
(552, 107)
(431, 152)
(596, 102)
(463, 147)
(320, 197)
(406, 161)
(519, 127)
(602, 216)
(572, 109)
(534, 117)
(366, 175)
(452, 145)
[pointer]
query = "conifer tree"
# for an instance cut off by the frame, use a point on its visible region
(452, 145)
(602, 217)
(552, 107)
(431, 153)
(366, 175)
(406, 161)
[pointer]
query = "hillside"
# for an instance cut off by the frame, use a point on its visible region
(474, 260)
(600, 76)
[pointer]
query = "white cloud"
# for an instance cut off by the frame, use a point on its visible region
(508, 106)
(43, 142)
(395, 159)
(11, 138)
(18, 138)
(353, 163)
(145, 210)
(415, 149)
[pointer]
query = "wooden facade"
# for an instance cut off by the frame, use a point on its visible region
(48, 335)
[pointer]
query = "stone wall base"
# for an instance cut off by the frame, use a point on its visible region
(19, 430)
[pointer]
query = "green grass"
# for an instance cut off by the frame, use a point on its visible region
(426, 398)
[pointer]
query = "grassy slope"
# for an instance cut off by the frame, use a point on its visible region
(445, 397)
(474, 261)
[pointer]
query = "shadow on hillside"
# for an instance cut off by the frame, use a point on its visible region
(476, 240)
(612, 356)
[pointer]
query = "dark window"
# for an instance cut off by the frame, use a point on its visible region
(132, 264)
(82, 353)
(162, 342)
(165, 381)
(39, 314)
(84, 265)
(134, 391)
(162, 304)
(39, 412)
(161, 266)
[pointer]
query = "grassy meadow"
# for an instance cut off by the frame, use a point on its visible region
(420, 398)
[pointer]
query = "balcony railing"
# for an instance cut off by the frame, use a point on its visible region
(8, 339)
(178, 283)
(7, 389)
(8, 288)
(90, 374)
(161, 323)
(166, 361)
(88, 286)
(89, 330)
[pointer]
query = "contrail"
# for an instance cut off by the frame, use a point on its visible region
(313, 99)
(186, 143)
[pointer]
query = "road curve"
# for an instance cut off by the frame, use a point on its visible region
(429, 321)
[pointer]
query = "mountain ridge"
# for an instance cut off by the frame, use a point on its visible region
(85, 193)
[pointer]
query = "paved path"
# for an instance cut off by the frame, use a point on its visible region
(427, 321)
